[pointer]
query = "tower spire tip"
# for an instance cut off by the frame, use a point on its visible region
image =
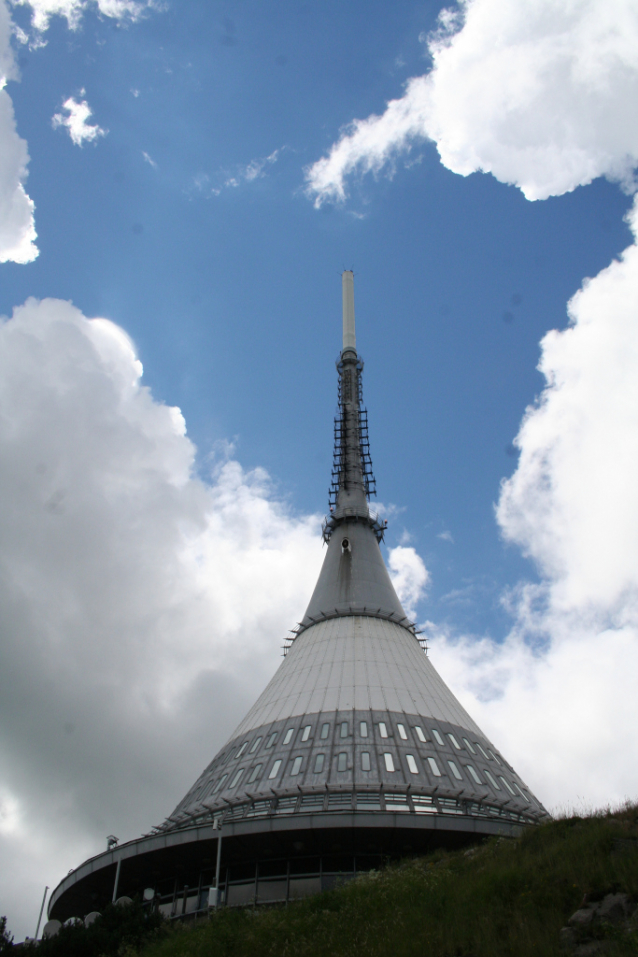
(347, 285)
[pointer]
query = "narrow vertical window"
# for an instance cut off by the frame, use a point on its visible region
(482, 751)
(289, 734)
(274, 771)
(237, 778)
(489, 777)
(455, 771)
(437, 736)
(507, 785)
(383, 731)
(219, 783)
(306, 732)
(434, 768)
(522, 793)
(256, 744)
(296, 766)
(363, 729)
(454, 741)
(420, 735)
(342, 761)
(411, 764)
(255, 773)
(473, 774)
(344, 729)
(271, 740)
(402, 732)
(325, 731)
(494, 756)
(468, 746)
(365, 760)
(319, 763)
(242, 749)
(389, 761)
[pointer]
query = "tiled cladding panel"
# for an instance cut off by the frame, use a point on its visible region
(356, 662)
(500, 785)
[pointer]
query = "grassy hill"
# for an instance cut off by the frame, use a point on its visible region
(505, 898)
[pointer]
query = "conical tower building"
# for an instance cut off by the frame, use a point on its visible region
(356, 751)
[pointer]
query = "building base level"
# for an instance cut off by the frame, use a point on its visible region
(259, 863)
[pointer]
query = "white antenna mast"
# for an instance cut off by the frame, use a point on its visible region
(347, 285)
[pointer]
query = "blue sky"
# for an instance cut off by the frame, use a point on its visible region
(190, 221)
(457, 278)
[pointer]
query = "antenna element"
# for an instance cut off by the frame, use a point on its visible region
(347, 286)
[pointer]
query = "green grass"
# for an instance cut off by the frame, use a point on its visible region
(506, 898)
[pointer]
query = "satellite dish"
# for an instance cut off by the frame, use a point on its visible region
(51, 928)
(149, 893)
(73, 921)
(123, 902)
(90, 918)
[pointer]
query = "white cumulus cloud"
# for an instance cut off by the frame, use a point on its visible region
(142, 607)
(17, 223)
(559, 695)
(541, 95)
(564, 714)
(409, 576)
(74, 10)
(572, 503)
(17, 227)
(76, 121)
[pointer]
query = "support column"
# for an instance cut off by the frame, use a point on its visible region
(219, 864)
(117, 879)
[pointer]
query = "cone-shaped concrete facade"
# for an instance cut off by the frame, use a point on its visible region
(355, 752)
(356, 703)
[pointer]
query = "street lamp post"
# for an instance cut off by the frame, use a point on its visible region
(37, 930)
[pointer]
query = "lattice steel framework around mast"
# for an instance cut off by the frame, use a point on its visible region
(339, 479)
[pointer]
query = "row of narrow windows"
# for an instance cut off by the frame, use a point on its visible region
(297, 767)
(384, 732)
